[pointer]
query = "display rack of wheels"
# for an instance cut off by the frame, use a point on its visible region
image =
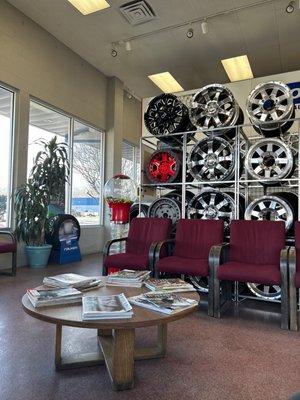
(227, 169)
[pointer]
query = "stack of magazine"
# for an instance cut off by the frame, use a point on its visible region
(42, 297)
(128, 278)
(105, 307)
(76, 281)
(167, 303)
(169, 285)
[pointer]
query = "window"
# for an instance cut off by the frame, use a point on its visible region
(6, 135)
(87, 174)
(82, 195)
(131, 161)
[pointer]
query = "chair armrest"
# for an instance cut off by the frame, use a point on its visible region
(9, 233)
(217, 256)
(155, 252)
(284, 260)
(109, 243)
(159, 246)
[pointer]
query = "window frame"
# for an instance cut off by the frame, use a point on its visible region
(69, 186)
(11, 175)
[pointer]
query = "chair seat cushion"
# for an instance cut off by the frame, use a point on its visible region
(256, 273)
(297, 279)
(183, 265)
(127, 260)
(7, 247)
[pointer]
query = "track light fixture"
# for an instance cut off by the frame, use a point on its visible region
(128, 46)
(290, 7)
(114, 52)
(204, 27)
(190, 33)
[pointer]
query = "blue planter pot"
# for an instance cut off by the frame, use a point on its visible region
(38, 256)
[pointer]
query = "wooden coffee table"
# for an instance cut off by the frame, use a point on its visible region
(115, 337)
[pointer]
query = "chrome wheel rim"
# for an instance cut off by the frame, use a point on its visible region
(270, 208)
(270, 104)
(212, 204)
(211, 159)
(269, 159)
(200, 283)
(272, 292)
(165, 208)
(214, 106)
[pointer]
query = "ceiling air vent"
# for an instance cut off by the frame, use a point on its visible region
(137, 12)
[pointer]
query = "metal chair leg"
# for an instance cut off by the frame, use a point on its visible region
(14, 264)
(217, 300)
(211, 295)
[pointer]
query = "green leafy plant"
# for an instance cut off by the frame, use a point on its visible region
(46, 182)
(51, 167)
(31, 205)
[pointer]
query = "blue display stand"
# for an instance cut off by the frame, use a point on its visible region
(69, 251)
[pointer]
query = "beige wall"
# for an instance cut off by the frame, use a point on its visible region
(36, 64)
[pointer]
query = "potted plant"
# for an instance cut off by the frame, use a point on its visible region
(45, 184)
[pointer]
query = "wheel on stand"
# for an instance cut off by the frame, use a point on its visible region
(269, 159)
(199, 282)
(177, 196)
(212, 204)
(212, 159)
(214, 106)
(134, 211)
(167, 115)
(165, 208)
(273, 207)
(164, 166)
(60, 227)
(269, 106)
(265, 292)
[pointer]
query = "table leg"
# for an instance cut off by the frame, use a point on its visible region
(157, 351)
(74, 360)
(58, 338)
(118, 352)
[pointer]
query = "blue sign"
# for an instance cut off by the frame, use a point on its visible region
(295, 88)
(69, 251)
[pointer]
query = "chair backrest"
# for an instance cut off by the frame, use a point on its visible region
(297, 244)
(144, 231)
(256, 242)
(195, 237)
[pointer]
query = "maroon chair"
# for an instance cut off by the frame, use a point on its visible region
(257, 254)
(143, 235)
(9, 246)
(188, 252)
(294, 278)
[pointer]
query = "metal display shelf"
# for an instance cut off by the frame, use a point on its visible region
(242, 182)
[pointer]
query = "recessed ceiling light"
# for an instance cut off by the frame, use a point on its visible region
(166, 82)
(89, 6)
(237, 68)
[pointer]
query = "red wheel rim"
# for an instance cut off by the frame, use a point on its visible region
(162, 167)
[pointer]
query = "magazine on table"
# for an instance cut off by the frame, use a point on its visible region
(43, 296)
(106, 307)
(72, 280)
(127, 277)
(171, 285)
(167, 303)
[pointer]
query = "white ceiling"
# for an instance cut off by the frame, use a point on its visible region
(266, 33)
